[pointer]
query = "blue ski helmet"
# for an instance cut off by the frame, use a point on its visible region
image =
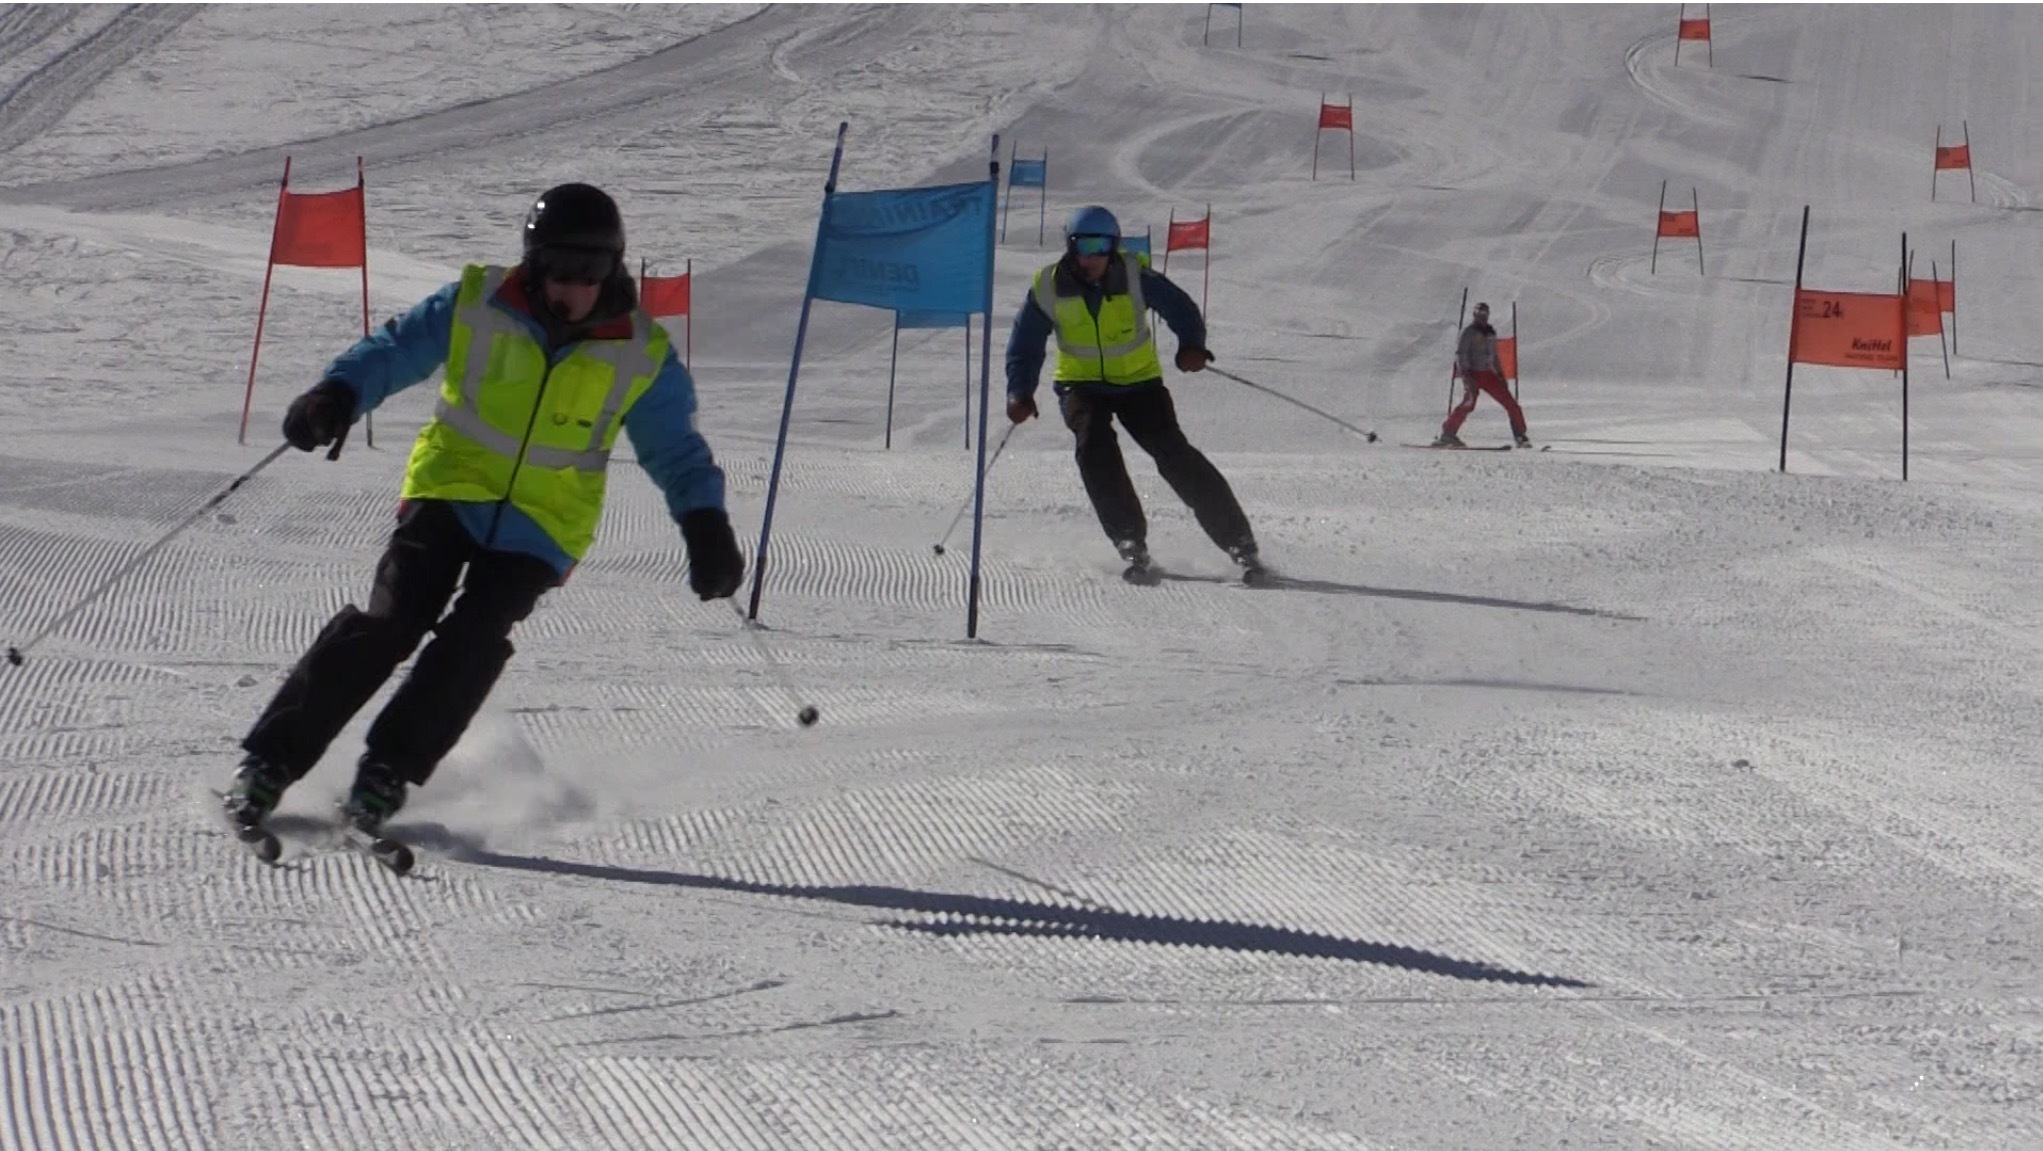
(1093, 220)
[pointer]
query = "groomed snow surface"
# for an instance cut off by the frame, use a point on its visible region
(1627, 795)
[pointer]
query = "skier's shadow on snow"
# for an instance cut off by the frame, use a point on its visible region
(1328, 587)
(987, 915)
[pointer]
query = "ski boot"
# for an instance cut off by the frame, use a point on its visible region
(1252, 570)
(257, 789)
(378, 794)
(1135, 554)
(1521, 441)
(1448, 440)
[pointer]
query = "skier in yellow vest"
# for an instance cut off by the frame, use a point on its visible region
(1096, 302)
(546, 362)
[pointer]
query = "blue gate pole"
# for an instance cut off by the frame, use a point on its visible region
(985, 382)
(794, 370)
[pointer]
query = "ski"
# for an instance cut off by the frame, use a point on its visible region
(1460, 447)
(389, 852)
(260, 841)
(265, 844)
(1151, 575)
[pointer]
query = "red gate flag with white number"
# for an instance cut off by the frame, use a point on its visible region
(1849, 330)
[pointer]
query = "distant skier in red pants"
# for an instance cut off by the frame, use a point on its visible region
(1475, 357)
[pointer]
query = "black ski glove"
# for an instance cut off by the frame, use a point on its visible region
(715, 565)
(319, 416)
(1193, 359)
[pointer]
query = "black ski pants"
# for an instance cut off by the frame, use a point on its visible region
(1151, 420)
(357, 651)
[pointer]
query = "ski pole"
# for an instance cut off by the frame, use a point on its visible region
(15, 655)
(967, 505)
(806, 714)
(1363, 432)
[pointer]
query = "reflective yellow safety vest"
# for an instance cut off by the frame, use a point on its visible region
(507, 425)
(1117, 348)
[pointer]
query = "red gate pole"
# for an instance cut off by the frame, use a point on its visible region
(262, 309)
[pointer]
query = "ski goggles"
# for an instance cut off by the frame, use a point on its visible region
(1093, 245)
(576, 265)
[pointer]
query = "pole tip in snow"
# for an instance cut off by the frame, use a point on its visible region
(939, 549)
(14, 656)
(808, 715)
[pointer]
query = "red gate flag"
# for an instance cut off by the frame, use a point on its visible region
(1507, 356)
(1681, 225)
(663, 296)
(313, 230)
(1849, 330)
(1687, 28)
(1335, 118)
(1955, 158)
(1191, 235)
(321, 230)
(1925, 314)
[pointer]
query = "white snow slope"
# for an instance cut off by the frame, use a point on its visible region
(1631, 794)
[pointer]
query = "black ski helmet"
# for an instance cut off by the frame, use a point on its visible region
(574, 232)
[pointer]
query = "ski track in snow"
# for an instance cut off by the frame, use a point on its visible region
(1629, 794)
(42, 97)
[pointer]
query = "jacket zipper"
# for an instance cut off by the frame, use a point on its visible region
(1099, 337)
(496, 518)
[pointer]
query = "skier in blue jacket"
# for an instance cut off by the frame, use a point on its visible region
(546, 362)
(1096, 302)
